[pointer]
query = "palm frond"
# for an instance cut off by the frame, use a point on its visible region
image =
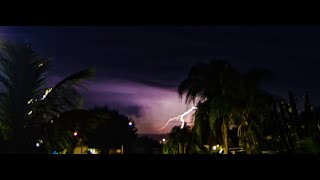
(64, 95)
(22, 74)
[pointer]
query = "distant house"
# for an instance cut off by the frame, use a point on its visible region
(85, 150)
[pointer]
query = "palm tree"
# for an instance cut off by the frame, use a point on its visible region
(179, 141)
(227, 98)
(23, 107)
(203, 133)
(215, 83)
(253, 105)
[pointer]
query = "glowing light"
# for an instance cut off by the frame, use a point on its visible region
(163, 139)
(30, 101)
(220, 151)
(94, 151)
(46, 93)
(180, 117)
(217, 145)
(40, 141)
(37, 144)
(75, 133)
(214, 148)
(290, 110)
(41, 64)
(29, 113)
(130, 123)
(51, 121)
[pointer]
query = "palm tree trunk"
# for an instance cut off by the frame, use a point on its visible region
(210, 143)
(225, 135)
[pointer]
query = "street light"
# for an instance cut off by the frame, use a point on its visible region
(214, 148)
(75, 133)
(130, 123)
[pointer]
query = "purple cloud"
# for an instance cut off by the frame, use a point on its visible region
(157, 105)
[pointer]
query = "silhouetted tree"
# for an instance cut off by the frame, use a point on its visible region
(26, 105)
(179, 141)
(227, 97)
(116, 131)
(213, 83)
(98, 127)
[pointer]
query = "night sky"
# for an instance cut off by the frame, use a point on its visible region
(138, 69)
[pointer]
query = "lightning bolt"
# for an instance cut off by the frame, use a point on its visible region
(180, 117)
(184, 114)
(172, 119)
